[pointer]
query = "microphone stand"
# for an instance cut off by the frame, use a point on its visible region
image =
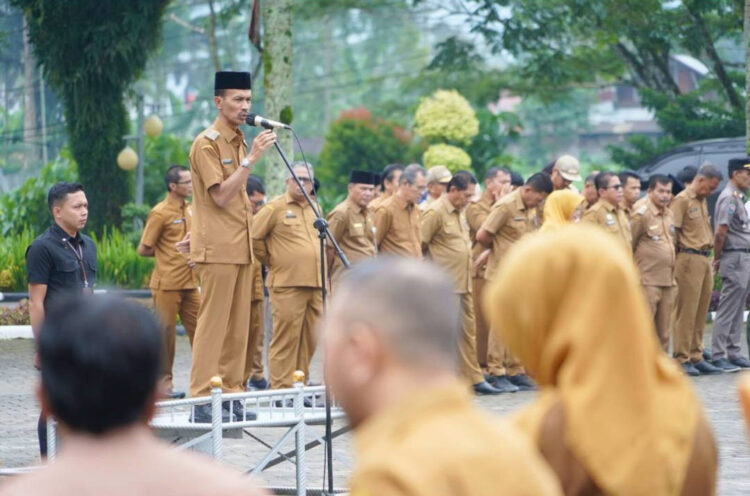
(323, 232)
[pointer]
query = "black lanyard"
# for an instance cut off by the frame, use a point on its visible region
(79, 256)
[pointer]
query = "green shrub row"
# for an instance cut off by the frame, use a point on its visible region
(119, 265)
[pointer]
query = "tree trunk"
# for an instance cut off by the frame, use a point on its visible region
(277, 83)
(30, 132)
(747, 72)
(211, 35)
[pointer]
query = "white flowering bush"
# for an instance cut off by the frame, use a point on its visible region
(446, 116)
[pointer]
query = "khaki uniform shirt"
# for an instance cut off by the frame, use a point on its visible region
(692, 221)
(257, 291)
(612, 219)
(730, 211)
(508, 221)
(475, 214)
(354, 230)
(429, 200)
(628, 211)
(437, 443)
(653, 243)
(167, 224)
(285, 241)
(375, 203)
(397, 228)
(219, 235)
(447, 241)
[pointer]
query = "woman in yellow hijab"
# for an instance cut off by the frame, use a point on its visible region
(560, 208)
(615, 415)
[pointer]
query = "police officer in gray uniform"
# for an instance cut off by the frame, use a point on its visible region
(732, 261)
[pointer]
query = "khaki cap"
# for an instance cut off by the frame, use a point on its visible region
(569, 168)
(439, 174)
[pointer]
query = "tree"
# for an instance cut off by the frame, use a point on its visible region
(357, 140)
(277, 83)
(91, 51)
(565, 44)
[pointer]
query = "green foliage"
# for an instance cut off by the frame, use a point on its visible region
(496, 132)
(26, 206)
(357, 140)
(452, 157)
(91, 51)
(161, 152)
(566, 44)
(13, 260)
(446, 115)
(119, 264)
(640, 150)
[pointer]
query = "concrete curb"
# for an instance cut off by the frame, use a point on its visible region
(24, 332)
(16, 332)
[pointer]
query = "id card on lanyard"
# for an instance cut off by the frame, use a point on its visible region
(79, 256)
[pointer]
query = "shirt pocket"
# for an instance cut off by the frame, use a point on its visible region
(654, 232)
(67, 272)
(90, 272)
(694, 212)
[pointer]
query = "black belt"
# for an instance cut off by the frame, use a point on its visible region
(741, 250)
(705, 253)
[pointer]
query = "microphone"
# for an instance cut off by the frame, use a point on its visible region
(256, 120)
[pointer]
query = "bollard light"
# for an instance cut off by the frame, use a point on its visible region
(127, 159)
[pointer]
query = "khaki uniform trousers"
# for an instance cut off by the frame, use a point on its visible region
(254, 358)
(500, 361)
(168, 304)
(295, 313)
(482, 328)
(220, 343)
(695, 282)
(467, 346)
(661, 302)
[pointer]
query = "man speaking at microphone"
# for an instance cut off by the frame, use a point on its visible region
(220, 242)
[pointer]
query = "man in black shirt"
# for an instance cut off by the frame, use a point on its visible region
(61, 261)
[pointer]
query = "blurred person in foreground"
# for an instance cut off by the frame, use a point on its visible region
(615, 415)
(100, 369)
(562, 207)
(390, 340)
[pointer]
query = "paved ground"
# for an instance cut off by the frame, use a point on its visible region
(18, 415)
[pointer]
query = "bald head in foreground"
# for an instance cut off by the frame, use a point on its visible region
(391, 341)
(100, 367)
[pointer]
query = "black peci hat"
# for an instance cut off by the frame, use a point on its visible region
(229, 80)
(360, 177)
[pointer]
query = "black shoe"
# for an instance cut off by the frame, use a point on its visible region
(175, 395)
(688, 368)
(725, 365)
(202, 414)
(484, 388)
(259, 385)
(706, 355)
(523, 382)
(741, 362)
(238, 409)
(501, 383)
(706, 368)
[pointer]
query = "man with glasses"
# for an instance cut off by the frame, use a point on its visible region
(173, 287)
(254, 373)
(397, 220)
(286, 241)
(606, 212)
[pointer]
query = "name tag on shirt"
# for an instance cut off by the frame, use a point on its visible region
(290, 215)
(178, 221)
(226, 161)
(517, 218)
